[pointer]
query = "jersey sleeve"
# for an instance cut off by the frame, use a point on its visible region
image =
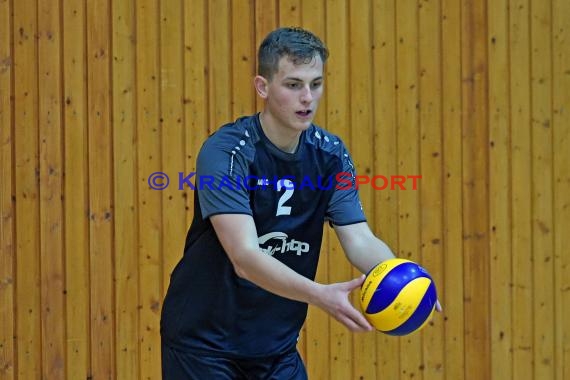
(220, 181)
(345, 207)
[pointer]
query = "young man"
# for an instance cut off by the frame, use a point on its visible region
(265, 186)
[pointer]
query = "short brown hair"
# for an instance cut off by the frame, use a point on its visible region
(300, 45)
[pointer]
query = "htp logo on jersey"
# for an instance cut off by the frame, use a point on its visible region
(341, 181)
(276, 242)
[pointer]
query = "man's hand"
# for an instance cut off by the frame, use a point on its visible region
(334, 299)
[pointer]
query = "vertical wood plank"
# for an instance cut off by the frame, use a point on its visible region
(289, 12)
(7, 210)
(76, 208)
(385, 156)
(243, 59)
(26, 148)
(475, 190)
(522, 322)
(148, 162)
(173, 134)
(337, 90)
(430, 185)
(409, 211)
(312, 17)
(125, 189)
(541, 182)
(451, 290)
(362, 136)
(219, 62)
(100, 190)
(561, 139)
(196, 97)
(499, 187)
(266, 19)
(51, 172)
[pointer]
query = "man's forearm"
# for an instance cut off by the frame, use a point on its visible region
(275, 277)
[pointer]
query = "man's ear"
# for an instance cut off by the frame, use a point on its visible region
(260, 84)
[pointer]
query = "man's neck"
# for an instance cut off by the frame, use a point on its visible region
(286, 140)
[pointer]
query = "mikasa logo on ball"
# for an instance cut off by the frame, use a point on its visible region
(378, 271)
(279, 239)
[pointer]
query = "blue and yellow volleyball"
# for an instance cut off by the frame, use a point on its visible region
(398, 297)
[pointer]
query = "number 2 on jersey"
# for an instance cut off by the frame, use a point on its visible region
(289, 188)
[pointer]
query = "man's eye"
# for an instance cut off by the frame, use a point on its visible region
(316, 84)
(293, 85)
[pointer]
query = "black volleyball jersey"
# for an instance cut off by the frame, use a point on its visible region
(208, 308)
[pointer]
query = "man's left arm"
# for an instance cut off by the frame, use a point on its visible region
(362, 248)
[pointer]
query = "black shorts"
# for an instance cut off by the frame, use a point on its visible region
(177, 365)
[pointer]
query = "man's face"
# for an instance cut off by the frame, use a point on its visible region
(293, 93)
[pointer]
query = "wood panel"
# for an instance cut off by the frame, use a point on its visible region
(385, 222)
(149, 133)
(408, 155)
(75, 188)
(219, 62)
(266, 19)
(475, 132)
(50, 177)
(289, 13)
(541, 184)
(338, 121)
(125, 190)
(361, 146)
(500, 192)
(7, 212)
(196, 117)
(100, 211)
(430, 185)
(26, 167)
(561, 184)
(243, 59)
(96, 96)
(519, 73)
(173, 134)
(452, 287)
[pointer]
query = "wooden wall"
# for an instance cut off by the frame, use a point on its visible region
(472, 95)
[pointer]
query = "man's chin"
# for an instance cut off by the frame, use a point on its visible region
(303, 124)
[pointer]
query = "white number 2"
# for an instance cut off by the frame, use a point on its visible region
(288, 185)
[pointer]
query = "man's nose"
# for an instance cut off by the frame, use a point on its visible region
(306, 95)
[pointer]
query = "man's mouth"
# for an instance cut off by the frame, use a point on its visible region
(304, 113)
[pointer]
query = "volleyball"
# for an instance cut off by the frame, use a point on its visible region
(398, 297)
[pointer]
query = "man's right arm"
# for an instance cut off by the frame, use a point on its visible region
(238, 236)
